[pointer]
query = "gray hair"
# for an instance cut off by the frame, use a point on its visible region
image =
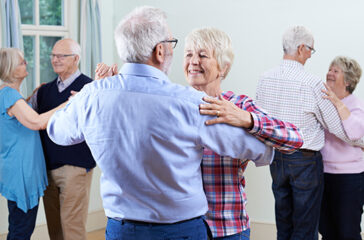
(9, 60)
(74, 46)
(351, 69)
(215, 40)
(139, 32)
(294, 37)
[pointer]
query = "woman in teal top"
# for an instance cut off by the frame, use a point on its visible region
(23, 176)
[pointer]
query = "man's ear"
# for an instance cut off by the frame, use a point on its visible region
(77, 58)
(300, 49)
(159, 53)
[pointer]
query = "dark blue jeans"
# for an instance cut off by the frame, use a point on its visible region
(21, 224)
(342, 206)
(245, 235)
(297, 188)
(194, 229)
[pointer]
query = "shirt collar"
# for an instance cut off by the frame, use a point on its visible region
(291, 63)
(69, 80)
(143, 70)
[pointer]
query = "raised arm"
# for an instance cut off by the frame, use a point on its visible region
(330, 118)
(352, 119)
(30, 118)
(242, 111)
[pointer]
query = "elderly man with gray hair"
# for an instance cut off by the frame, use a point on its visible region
(292, 94)
(147, 137)
(69, 168)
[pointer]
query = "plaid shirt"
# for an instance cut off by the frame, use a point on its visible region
(223, 176)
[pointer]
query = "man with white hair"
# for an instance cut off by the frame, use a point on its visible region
(147, 137)
(69, 168)
(290, 93)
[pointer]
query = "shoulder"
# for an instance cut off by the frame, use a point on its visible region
(84, 78)
(353, 101)
(47, 85)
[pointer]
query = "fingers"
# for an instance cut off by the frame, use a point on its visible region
(211, 100)
(214, 121)
(327, 86)
(210, 112)
(114, 69)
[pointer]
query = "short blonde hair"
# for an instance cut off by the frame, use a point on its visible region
(351, 69)
(215, 40)
(9, 60)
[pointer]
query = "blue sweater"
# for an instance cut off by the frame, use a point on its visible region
(55, 155)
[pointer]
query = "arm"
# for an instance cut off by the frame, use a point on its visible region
(328, 116)
(28, 117)
(65, 126)
(343, 111)
(284, 136)
(235, 142)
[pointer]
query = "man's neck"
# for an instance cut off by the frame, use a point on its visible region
(65, 76)
(293, 58)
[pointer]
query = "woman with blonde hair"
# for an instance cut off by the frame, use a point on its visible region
(343, 197)
(23, 176)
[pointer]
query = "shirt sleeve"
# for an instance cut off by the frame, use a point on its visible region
(66, 125)
(235, 142)
(354, 125)
(328, 116)
(283, 136)
(11, 96)
(33, 101)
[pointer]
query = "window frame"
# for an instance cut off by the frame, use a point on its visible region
(35, 30)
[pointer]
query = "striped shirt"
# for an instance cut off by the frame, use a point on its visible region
(223, 176)
(290, 93)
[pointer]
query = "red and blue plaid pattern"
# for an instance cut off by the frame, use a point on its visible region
(223, 176)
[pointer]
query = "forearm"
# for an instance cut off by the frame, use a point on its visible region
(342, 109)
(281, 135)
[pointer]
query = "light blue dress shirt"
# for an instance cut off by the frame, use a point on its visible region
(23, 176)
(147, 137)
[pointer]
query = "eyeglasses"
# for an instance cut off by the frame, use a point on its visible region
(60, 56)
(311, 48)
(24, 62)
(174, 42)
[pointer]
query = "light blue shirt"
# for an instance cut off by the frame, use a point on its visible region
(23, 176)
(147, 136)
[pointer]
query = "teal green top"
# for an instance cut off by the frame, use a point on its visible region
(23, 175)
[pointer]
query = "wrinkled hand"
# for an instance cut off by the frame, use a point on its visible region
(330, 95)
(103, 71)
(225, 112)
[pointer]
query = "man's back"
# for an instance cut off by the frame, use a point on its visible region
(147, 136)
(292, 94)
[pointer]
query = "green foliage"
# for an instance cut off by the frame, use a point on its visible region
(50, 12)
(46, 69)
(26, 11)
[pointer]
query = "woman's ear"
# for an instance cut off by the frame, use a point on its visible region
(222, 73)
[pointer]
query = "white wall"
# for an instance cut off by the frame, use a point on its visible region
(255, 28)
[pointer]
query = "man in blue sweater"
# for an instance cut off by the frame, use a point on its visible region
(69, 168)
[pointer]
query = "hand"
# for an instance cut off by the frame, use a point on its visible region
(226, 112)
(73, 93)
(103, 71)
(330, 95)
